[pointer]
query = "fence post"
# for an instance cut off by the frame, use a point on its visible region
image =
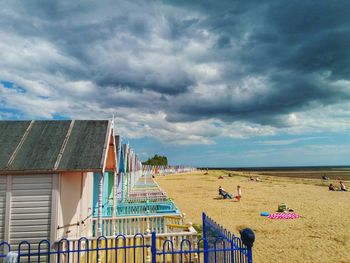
(100, 205)
(154, 248)
(203, 225)
(250, 255)
(149, 242)
(232, 251)
(205, 240)
(99, 215)
(206, 252)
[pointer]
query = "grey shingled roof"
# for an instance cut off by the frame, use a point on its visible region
(36, 145)
(11, 133)
(85, 146)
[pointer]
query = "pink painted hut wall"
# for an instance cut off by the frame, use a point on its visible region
(75, 205)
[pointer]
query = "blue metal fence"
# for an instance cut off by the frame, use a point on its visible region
(102, 249)
(222, 245)
(217, 245)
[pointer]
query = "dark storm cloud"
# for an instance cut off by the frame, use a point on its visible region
(300, 47)
(285, 95)
(192, 60)
(148, 80)
(92, 38)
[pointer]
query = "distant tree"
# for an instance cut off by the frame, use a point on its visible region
(157, 160)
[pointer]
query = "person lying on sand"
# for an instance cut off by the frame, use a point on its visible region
(342, 186)
(223, 193)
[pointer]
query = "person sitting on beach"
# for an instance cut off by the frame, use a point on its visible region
(342, 186)
(223, 193)
(332, 188)
(257, 179)
(325, 177)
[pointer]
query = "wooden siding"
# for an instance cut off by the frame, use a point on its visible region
(111, 156)
(3, 183)
(30, 208)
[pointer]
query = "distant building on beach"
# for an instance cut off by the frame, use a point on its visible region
(47, 176)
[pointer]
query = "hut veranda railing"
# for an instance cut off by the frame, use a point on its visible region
(216, 245)
(130, 225)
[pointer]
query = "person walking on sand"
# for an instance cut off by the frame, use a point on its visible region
(239, 193)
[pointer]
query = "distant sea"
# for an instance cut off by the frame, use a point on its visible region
(283, 168)
(341, 172)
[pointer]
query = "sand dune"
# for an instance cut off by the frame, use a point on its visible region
(321, 235)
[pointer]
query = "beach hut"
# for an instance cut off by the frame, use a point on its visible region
(46, 176)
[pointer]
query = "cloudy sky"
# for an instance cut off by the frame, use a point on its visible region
(207, 83)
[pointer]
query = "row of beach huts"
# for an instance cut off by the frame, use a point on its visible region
(75, 178)
(72, 191)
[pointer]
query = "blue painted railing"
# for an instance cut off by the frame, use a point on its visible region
(139, 209)
(221, 245)
(101, 249)
(144, 199)
(149, 208)
(130, 225)
(189, 251)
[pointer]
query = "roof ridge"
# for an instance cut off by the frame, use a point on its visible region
(104, 156)
(64, 144)
(24, 137)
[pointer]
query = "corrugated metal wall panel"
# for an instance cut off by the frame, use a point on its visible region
(30, 179)
(30, 208)
(3, 184)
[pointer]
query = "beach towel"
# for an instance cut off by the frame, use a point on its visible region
(284, 216)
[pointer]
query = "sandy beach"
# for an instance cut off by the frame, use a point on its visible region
(321, 235)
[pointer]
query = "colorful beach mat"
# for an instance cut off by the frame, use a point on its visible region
(284, 216)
